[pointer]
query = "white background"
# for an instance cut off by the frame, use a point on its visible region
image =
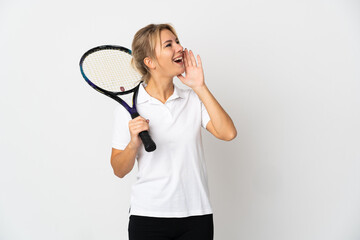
(287, 72)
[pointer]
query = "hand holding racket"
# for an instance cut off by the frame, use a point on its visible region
(108, 70)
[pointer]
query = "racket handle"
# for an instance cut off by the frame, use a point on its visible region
(145, 137)
(147, 141)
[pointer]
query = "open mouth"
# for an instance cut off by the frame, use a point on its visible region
(178, 60)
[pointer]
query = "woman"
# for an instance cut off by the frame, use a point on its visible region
(170, 199)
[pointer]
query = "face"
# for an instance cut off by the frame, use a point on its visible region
(169, 55)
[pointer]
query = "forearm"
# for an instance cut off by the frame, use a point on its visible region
(123, 161)
(221, 121)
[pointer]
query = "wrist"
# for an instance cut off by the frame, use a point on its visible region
(200, 88)
(133, 146)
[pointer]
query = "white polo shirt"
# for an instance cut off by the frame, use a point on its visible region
(172, 180)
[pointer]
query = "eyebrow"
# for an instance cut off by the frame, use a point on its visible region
(170, 40)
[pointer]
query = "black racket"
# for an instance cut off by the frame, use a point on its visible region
(108, 70)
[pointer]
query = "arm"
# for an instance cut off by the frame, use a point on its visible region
(122, 161)
(220, 124)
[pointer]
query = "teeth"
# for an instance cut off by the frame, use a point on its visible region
(179, 58)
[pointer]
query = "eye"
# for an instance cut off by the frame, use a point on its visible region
(169, 45)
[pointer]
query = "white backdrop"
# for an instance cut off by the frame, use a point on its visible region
(287, 72)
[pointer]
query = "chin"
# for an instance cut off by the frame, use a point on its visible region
(181, 71)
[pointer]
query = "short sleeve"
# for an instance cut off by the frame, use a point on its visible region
(121, 134)
(205, 118)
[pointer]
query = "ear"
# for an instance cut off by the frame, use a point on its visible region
(149, 63)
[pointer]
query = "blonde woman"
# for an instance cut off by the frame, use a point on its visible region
(170, 199)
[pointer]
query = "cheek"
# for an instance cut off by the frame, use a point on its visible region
(165, 58)
(167, 55)
(165, 61)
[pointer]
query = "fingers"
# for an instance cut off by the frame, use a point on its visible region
(181, 77)
(199, 61)
(185, 57)
(138, 125)
(190, 58)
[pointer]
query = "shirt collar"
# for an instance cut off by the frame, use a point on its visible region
(143, 96)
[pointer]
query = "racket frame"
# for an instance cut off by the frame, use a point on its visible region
(145, 137)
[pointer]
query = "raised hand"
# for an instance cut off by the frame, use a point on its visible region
(194, 73)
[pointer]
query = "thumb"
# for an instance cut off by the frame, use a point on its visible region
(181, 77)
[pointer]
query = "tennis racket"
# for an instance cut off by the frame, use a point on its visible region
(108, 70)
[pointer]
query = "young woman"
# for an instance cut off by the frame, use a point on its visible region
(170, 199)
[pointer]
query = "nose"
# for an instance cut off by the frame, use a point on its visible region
(179, 48)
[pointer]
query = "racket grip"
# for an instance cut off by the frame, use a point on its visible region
(147, 141)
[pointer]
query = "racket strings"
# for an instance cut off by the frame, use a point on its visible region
(111, 70)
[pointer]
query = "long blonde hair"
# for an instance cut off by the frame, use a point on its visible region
(144, 44)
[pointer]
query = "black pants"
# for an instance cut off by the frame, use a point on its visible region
(188, 228)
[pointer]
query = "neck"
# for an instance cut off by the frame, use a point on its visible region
(161, 89)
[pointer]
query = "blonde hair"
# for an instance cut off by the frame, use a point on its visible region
(143, 46)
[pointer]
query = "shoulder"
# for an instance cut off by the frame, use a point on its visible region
(187, 93)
